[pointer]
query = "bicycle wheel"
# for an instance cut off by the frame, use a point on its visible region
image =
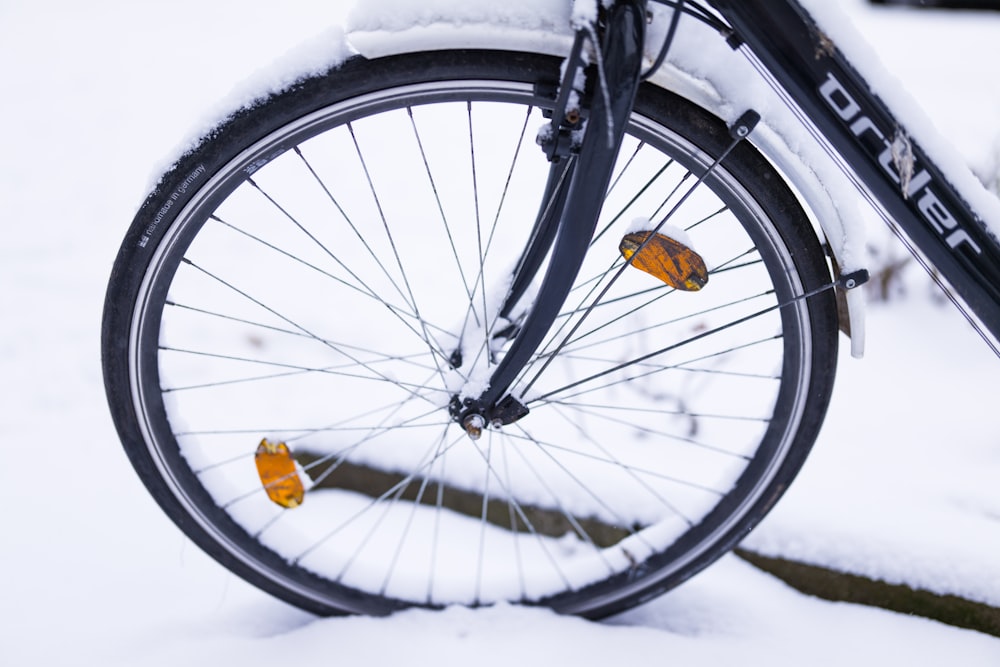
(298, 302)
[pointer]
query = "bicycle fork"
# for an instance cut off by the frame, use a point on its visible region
(574, 193)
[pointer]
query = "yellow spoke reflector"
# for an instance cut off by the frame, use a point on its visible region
(671, 261)
(278, 474)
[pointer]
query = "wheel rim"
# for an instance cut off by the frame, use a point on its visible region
(250, 303)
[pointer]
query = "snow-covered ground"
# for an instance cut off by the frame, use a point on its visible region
(901, 485)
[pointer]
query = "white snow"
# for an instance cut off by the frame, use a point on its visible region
(394, 15)
(313, 56)
(902, 485)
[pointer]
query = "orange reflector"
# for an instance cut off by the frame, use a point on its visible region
(671, 261)
(278, 474)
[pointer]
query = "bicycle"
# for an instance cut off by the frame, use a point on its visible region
(371, 347)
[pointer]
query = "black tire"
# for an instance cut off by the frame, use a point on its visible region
(239, 308)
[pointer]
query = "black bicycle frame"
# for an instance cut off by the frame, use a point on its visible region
(860, 127)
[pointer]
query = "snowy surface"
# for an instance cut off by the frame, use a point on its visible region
(901, 486)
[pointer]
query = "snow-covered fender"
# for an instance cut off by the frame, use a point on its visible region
(701, 68)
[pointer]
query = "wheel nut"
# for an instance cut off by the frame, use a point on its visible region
(473, 425)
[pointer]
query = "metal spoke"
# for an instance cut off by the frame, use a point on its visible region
(544, 449)
(574, 523)
(575, 425)
(546, 445)
(342, 454)
(371, 252)
(641, 191)
(294, 324)
(598, 412)
(377, 501)
(676, 207)
(640, 330)
(397, 311)
(395, 251)
(296, 368)
(424, 483)
(440, 207)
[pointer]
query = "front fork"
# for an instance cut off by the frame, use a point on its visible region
(578, 180)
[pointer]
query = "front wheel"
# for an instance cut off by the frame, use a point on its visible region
(302, 298)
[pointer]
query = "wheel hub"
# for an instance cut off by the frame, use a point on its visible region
(474, 417)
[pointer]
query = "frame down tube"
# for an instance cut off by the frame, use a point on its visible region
(860, 127)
